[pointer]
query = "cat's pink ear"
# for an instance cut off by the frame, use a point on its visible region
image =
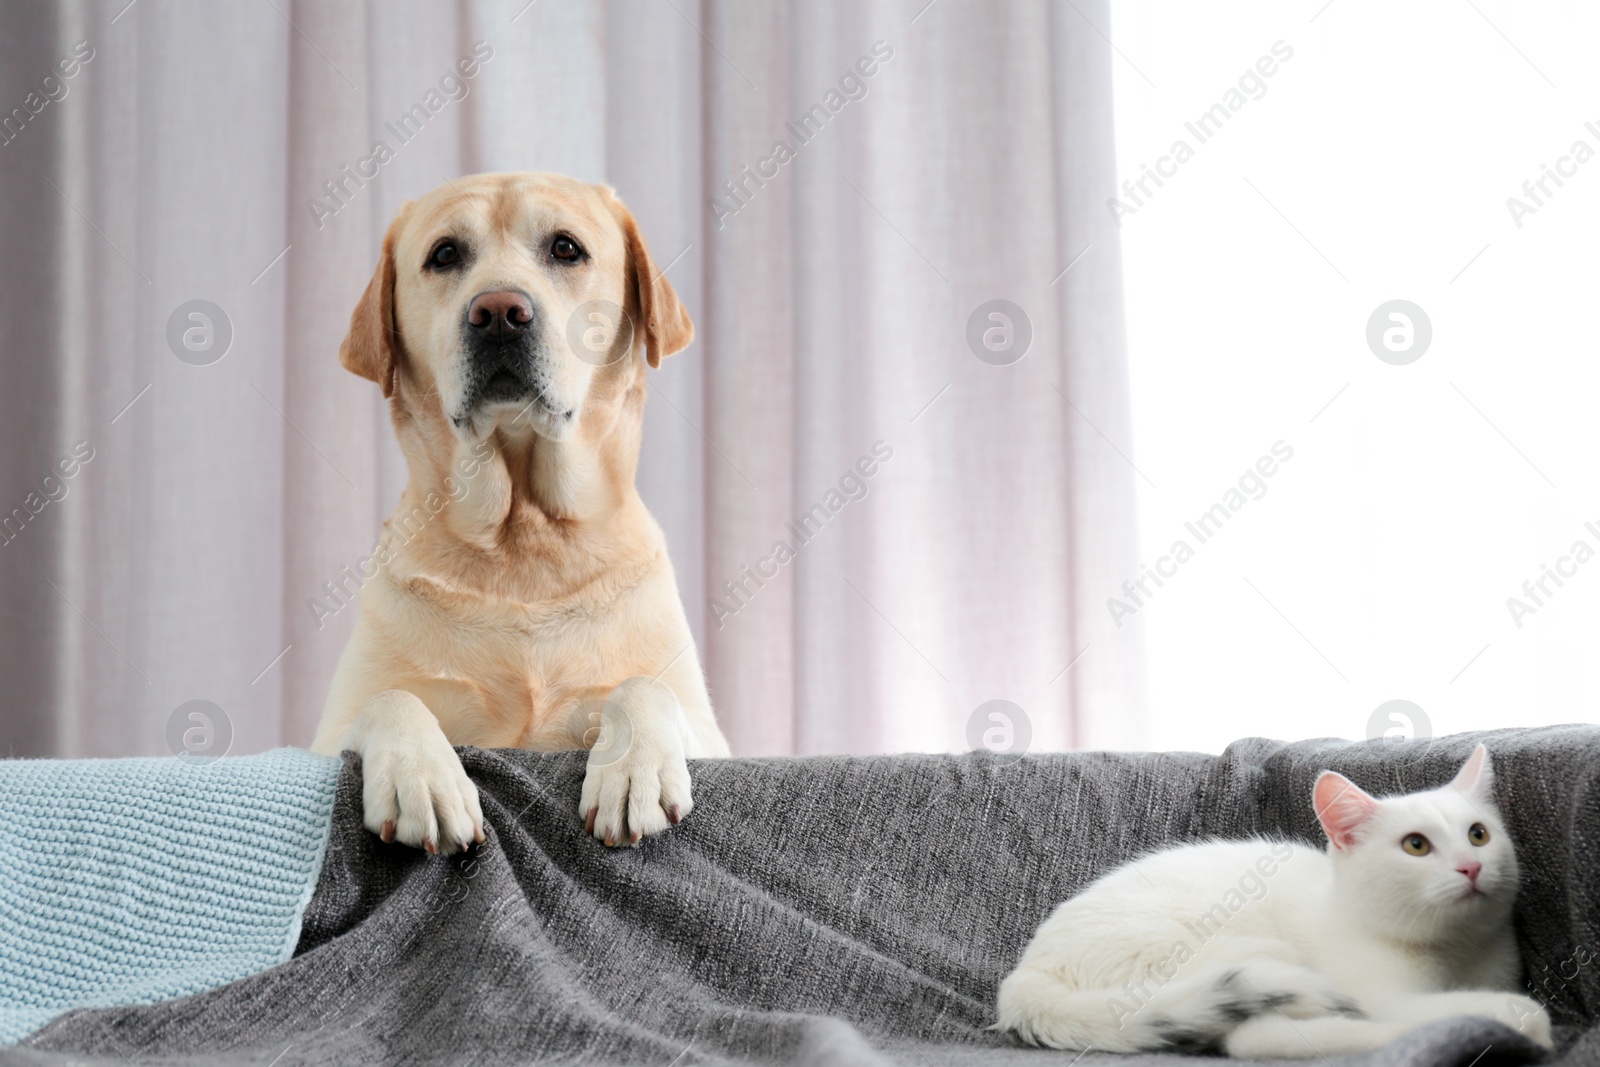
(1342, 807)
(1476, 776)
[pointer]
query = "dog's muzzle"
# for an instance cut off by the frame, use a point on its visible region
(500, 331)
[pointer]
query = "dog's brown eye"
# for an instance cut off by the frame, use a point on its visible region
(446, 255)
(565, 248)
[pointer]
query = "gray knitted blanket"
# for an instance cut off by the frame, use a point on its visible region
(838, 912)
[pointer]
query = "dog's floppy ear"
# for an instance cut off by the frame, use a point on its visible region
(663, 320)
(371, 348)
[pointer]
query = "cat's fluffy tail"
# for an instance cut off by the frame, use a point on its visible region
(1189, 1013)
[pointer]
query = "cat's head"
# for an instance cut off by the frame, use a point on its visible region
(1417, 864)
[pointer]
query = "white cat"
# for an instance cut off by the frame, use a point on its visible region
(1264, 948)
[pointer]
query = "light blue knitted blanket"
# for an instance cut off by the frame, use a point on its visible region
(130, 881)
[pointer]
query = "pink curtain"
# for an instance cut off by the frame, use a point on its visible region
(841, 192)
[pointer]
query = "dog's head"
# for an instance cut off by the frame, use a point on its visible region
(504, 298)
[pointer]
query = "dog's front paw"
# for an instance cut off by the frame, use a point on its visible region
(415, 790)
(637, 782)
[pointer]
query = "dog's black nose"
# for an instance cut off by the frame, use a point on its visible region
(501, 314)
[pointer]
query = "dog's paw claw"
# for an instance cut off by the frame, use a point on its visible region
(629, 799)
(419, 795)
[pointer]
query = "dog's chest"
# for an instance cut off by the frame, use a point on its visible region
(498, 674)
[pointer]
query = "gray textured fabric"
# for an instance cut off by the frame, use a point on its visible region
(848, 912)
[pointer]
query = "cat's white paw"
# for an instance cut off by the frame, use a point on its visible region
(1275, 1037)
(637, 780)
(1524, 1015)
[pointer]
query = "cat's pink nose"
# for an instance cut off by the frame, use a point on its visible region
(1471, 869)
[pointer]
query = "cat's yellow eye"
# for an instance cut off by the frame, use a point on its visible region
(1479, 834)
(1416, 844)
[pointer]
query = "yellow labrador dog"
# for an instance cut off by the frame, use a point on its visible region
(523, 596)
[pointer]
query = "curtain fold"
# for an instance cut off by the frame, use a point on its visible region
(878, 523)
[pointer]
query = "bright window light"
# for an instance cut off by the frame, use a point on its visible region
(1430, 528)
